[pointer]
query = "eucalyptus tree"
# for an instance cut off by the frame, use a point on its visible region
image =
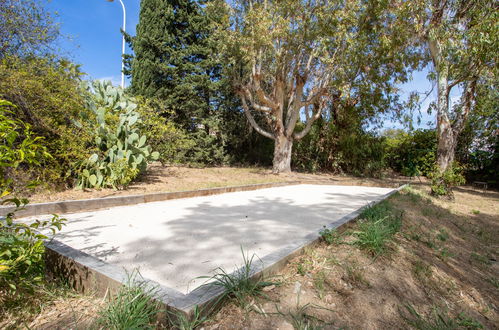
(461, 39)
(26, 28)
(291, 60)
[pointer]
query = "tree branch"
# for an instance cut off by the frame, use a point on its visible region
(468, 101)
(310, 121)
(252, 121)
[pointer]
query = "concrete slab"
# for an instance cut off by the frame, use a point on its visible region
(175, 241)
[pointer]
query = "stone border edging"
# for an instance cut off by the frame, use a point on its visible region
(90, 274)
(83, 205)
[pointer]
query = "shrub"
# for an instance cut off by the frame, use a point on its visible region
(47, 95)
(122, 149)
(18, 145)
(340, 147)
(163, 135)
(22, 248)
(21, 245)
(442, 183)
(413, 153)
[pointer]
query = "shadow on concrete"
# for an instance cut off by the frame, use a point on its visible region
(212, 236)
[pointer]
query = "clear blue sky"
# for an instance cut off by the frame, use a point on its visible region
(92, 38)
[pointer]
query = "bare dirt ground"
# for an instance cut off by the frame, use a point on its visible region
(443, 261)
(167, 179)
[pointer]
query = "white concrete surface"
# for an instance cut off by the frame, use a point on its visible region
(173, 242)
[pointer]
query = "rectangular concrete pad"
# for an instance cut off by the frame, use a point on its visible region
(173, 242)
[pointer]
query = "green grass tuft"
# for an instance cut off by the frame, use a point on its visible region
(438, 320)
(377, 226)
(180, 321)
(330, 236)
(131, 308)
(239, 284)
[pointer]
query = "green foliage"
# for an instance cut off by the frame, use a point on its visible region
(377, 226)
(478, 144)
(411, 153)
(180, 321)
(122, 173)
(438, 320)
(362, 154)
(46, 92)
(239, 284)
(26, 28)
(123, 151)
(319, 150)
(442, 183)
(131, 308)
(176, 65)
(341, 146)
(330, 236)
(21, 245)
(163, 135)
(208, 148)
(22, 248)
(18, 145)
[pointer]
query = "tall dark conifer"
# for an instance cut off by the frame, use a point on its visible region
(175, 62)
(173, 59)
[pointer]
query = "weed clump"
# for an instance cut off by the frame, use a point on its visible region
(180, 321)
(131, 308)
(438, 320)
(330, 236)
(377, 226)
(239, 284)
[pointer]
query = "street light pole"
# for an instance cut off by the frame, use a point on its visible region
(122, 45)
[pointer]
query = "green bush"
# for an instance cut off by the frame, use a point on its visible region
(18, 146)
(334, 148)
(362, 154)
(21, 245)
(163, 135)
(442, 183)
(48, 98)
(413, 153)
(123, 151)
(21, 250)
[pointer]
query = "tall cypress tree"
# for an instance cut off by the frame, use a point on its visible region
(172, 60)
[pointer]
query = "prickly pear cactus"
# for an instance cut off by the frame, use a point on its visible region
(123, 150)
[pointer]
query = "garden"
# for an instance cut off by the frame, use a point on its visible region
(239, 93)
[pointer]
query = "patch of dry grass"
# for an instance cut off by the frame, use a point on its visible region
(443, 258)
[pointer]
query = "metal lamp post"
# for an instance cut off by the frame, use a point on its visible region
(123, 44)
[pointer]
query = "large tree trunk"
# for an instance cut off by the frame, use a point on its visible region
(445, 134)
(446, 144)
(282, 154)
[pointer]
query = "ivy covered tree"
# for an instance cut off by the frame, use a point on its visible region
(292, 60)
